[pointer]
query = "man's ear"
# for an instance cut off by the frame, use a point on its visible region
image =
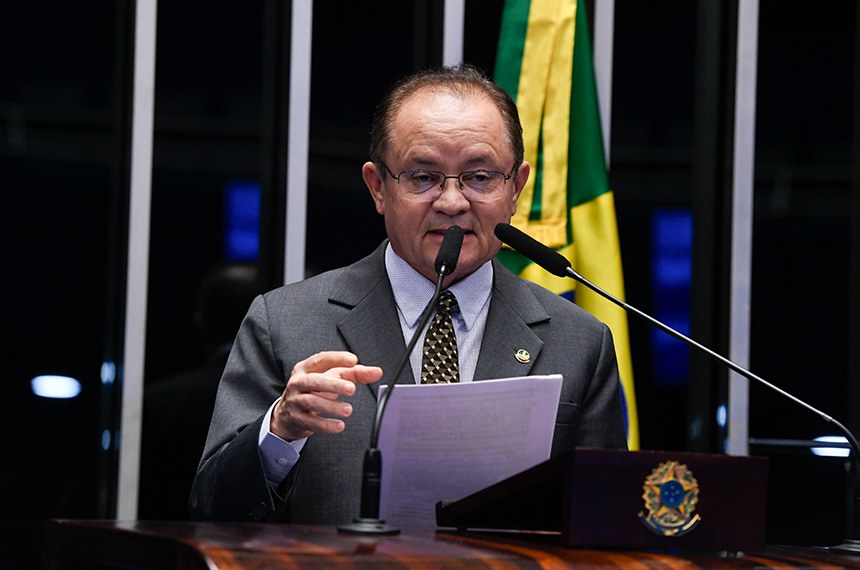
(373, 179)
(520, 180)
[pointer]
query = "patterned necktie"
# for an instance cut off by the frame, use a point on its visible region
(439, 364)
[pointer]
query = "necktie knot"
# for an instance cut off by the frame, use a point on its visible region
(447, 302)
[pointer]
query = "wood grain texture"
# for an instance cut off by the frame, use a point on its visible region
(73, 545)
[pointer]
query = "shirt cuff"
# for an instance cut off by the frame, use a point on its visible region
(278, 455)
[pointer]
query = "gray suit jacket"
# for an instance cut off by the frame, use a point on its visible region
(353, 309)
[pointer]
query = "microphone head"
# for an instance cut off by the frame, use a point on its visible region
(544, 256)
(449, 252)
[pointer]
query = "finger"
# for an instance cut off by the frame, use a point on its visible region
(360, 374)
(301, 424)
(337, 381)
(329, 382)
(326, 395)
(322, 361)
(320, 405)
(300, 415)
(317, 424)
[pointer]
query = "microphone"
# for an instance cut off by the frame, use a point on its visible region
(558, 265)
(368, 521)
(449, 251)
(544, 256)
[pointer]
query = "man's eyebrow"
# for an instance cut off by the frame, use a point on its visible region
(481, 160)
(471, 163)
(423, 162)
(428, 162)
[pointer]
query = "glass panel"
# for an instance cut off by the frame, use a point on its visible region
(208, 157)
(206, 195)
(60, 159)
(651, 176)
(351, 70)
(803, 184)
(801, 258)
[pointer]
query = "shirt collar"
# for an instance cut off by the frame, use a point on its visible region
(412, 290)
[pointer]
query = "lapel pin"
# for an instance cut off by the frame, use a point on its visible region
(523, 355)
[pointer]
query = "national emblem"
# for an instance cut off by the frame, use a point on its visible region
(670, 493)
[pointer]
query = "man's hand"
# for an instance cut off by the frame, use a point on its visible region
(312, 392)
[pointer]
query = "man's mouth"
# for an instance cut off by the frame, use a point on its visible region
(441, 232)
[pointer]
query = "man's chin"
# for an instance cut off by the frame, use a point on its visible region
(464, 269)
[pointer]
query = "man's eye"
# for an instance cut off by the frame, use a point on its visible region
(423, 177)
(478, 177)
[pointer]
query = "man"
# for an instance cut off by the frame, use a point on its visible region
(298, 396)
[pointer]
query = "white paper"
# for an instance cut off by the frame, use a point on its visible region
(447, 441)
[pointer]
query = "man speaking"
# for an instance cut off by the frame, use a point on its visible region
(297, 399)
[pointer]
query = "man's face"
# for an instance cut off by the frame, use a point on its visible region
(443, 132)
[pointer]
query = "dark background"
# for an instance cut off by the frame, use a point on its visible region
(64, 120)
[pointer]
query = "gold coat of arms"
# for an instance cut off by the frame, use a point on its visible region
(670, 493)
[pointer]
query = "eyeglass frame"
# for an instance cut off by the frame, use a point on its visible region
(445, 176)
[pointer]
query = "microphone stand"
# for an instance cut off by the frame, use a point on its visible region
(852, 544)
(368, 521)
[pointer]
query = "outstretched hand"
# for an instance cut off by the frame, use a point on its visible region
(310, 402)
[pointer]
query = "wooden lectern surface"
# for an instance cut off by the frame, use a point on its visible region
(233, 546)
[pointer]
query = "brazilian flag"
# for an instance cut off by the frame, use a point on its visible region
(544, 61)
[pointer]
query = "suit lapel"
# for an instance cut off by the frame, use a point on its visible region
(508, 333)
(371, 329)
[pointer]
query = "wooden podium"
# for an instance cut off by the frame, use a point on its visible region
(598, 509)
(103, 545)
(620, 499)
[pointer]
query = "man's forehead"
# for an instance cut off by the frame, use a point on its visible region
(433, 98)
(434, 125)
(443, 111)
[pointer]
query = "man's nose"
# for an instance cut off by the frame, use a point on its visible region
(452, 196)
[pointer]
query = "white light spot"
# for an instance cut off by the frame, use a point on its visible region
(831, 451)
(108, 372)
(722, 415)
(53, 386)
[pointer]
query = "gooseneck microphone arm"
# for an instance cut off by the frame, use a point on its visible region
(368, 521)
(558, 265)
(446, 262)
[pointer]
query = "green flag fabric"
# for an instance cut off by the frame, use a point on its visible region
(544, 61)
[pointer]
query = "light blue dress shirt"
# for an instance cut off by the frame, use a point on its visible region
(412, 291)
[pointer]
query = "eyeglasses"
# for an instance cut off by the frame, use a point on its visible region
(476, 185)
